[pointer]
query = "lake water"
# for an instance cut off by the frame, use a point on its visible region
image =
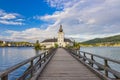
(10, 56)
(110, 52)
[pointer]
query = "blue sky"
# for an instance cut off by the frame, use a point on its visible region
(26, 11)
(32, 20)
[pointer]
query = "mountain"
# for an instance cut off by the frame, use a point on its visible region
(111, 39)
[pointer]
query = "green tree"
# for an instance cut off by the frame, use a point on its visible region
(56, 45)
(76, 45)
(37, 45)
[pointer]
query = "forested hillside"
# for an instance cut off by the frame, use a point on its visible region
(112, 39)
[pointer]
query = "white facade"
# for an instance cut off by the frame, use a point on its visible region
(60, 41)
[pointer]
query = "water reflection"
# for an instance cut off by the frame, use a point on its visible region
(3, 52)
(10, 56)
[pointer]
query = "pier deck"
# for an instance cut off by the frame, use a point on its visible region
(64, 67)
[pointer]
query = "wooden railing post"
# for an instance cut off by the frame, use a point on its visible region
(79, 54)
(4, 77)
(40, 60)
(44, 56)
(84, 56)
(92, 60)
(47, 54)
(31, 64)
(106, 65)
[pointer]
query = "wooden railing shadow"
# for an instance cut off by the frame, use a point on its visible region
(37, 64)
(101, 69)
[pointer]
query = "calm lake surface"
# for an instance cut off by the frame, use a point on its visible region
(110, 52)
(10, 56)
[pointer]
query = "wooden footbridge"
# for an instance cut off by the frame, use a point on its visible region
(65, 64)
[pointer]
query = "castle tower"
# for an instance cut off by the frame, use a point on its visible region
(60, 39)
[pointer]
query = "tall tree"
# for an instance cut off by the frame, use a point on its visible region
(37, 45)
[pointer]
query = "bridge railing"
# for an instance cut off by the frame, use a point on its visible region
(35, 63)
(103, 69)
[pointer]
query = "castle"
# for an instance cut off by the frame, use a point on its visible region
(60, 40)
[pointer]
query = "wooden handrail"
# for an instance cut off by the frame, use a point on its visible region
(7, 71)
(91, 63)
(31, 68)
(109, 59)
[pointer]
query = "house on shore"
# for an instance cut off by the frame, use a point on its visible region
(61, 41)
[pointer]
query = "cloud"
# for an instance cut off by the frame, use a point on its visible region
(81, 20)
(10, 18)
(86, 17)
(91, 21)
(10, 22)
(31, 34)
(61, 4)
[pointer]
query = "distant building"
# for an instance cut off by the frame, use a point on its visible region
(16, 44)
(60, 40)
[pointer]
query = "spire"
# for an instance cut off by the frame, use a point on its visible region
(60, 30)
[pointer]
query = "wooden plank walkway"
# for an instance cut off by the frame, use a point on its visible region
(64, 67)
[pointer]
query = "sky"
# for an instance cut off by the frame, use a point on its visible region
(31, 20)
